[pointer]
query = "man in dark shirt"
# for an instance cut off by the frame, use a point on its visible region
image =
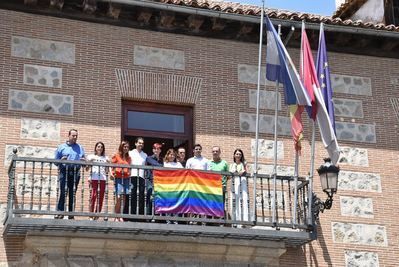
(156, 161)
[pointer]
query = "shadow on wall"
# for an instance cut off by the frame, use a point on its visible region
(306, 255)
(14, 247)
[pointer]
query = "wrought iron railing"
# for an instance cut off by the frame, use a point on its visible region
(35, 191)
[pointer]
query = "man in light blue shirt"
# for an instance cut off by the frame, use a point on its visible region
(69, 174)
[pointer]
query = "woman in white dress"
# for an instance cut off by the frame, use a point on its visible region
(239, 169)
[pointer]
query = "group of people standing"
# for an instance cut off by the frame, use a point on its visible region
(134, 187)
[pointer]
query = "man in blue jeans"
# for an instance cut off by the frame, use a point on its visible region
(69, 174)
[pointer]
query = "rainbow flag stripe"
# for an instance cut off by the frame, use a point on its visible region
(188, 191)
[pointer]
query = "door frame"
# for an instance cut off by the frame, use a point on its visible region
(186, 111)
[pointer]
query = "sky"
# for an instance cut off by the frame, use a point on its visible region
(321, 7)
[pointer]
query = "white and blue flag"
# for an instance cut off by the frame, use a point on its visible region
(279, 66)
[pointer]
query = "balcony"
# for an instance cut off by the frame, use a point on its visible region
(277, 207)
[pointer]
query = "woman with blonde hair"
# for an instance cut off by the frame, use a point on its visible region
(169, 160)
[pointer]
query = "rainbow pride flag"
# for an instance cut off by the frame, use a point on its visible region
(188, 191)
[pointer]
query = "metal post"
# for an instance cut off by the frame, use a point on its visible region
(310, 192)
(275, 147)
(257, 112)
(296, 172)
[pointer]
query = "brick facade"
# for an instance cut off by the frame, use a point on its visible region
(91, 78)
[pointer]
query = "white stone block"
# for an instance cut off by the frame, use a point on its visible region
(359, 181)
(361, 259)
(159, 57)
(266, 124)
(348, 108)
(351, 84)
(42, 184)
(268, 169)
(357, 206)
(249, 74)
(266, 149)
(40, 102)
(357, 132)
(359, 234)
(28, 151)
(354, 156)
(267, 99)
(43, 49)
(42, 76)
(38, 129)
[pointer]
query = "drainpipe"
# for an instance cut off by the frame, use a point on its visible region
(252, 19)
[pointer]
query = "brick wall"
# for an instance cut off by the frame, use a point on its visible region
(92, 81)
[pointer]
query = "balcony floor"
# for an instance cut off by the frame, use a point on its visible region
(152, 231)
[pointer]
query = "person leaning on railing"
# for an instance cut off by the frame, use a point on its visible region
(219, 165)
(69, 174)
(121, 176)
(239, 169)
(97, 178)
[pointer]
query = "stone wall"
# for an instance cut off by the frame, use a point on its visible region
(33, 48)
(361, 258)
(358, 132)
(348, 108)
(354, 156)
(80, 251)
(40, 102)
(361, 234)
(351, 84)
(267, 99)
(266, 124)
(27, 151)
(249, 74)
(36, 129)
(266, 148)
(42, 76)
(42, 185)
(158, 57)
(359, 181)
(357, 206)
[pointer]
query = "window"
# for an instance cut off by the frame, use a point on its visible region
(392, 12)
(154, 121)
(171, 125)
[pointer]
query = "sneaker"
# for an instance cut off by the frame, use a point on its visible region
(59, 217)
(71, 217)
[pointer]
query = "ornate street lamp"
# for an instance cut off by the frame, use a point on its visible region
(329, 181)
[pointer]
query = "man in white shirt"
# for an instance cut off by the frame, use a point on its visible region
(137, 178)
(197, 162)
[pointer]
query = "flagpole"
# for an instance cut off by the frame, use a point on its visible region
(310, 189)
(296, 172)
(257, 111)
(275, 146)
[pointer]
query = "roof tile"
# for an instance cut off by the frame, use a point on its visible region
(244, 9)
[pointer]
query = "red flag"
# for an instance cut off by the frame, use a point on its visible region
(308, 73)
(318, 111)
(296, 125)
